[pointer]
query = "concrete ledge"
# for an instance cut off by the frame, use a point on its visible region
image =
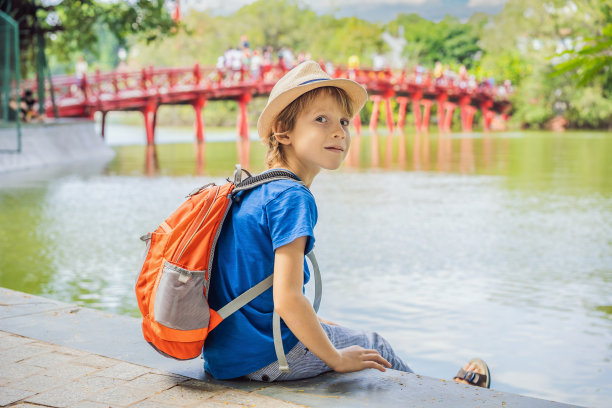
(119, 337)
(61, 142)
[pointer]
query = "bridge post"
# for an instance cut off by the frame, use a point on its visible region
(448, 118)
(198, 106)
(150, 117)
(441, 99)
(401, 117)
(389, 114)
(426, 113)
(243, 143)
(375, 110)
(466, 113)
(487, 114)
(243, 118)
(416, 109)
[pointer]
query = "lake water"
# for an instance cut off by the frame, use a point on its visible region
(491, 245)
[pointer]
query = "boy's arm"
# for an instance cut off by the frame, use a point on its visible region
(297, 312)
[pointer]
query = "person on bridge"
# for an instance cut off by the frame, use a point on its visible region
(305, 126)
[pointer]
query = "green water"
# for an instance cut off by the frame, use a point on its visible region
(497, 245)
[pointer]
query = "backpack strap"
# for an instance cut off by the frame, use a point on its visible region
(276, 327)
(263, 178)
(246, 297)
(247, 184)
(260, 288)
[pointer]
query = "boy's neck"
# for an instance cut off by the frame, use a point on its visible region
(304, 175)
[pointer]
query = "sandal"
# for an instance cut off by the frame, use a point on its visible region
(477, 379)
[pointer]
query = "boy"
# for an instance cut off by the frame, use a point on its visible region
(305, 126)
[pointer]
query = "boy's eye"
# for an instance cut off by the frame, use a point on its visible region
(344, 122)
(321, 119)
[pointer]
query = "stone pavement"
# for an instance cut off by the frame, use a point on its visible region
(35, 373)
(62, 355)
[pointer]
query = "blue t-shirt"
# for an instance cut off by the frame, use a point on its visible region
(261, 220)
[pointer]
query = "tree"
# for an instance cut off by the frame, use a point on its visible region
(525, 43)
(70, 26)
(448, 41)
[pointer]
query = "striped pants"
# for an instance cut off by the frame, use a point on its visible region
(304, 364)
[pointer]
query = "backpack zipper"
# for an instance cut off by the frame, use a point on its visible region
(214, 243)
(200, 225)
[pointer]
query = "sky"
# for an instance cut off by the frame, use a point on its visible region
(374, 11)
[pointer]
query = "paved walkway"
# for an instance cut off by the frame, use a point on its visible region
(36, 373)
(57, 354)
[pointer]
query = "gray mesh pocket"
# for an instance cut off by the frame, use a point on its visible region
(179, 302)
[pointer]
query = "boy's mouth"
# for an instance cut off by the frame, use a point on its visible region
(338, 149)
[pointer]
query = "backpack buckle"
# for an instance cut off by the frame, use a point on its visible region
(238, 174)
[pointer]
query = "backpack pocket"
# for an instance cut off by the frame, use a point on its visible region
(179, 301)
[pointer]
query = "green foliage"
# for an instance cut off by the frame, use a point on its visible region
(534, 43)
(75, 26)
(338, 40)
(507, 64)
(589, 109)
(448, 41)
(592, 61)
(79, 19)
(275, 23)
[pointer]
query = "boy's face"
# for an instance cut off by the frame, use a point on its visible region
(320, 137)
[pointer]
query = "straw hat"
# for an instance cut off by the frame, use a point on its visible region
(303, 78)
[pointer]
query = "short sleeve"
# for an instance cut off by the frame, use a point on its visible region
(292, 214)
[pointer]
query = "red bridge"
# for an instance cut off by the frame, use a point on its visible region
(147, 89)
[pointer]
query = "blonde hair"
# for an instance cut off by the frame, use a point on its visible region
(288, 116)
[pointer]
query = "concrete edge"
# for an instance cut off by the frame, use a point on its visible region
(120, 337)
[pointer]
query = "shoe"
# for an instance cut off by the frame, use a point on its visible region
(473, 378)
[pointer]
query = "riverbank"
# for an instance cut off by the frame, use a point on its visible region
(59, 354)
(64, 141)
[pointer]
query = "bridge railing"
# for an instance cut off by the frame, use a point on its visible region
(79, 96)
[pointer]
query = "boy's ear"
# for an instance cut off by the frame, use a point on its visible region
(281, 136)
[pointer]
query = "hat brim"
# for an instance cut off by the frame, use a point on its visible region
(356, 93)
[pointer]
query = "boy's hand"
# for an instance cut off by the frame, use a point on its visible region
(356, 358)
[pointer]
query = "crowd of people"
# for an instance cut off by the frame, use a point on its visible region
(256, 63)
(243, 62)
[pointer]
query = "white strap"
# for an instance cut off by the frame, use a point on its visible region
(276, 327)
(283, 366)
(246, 297)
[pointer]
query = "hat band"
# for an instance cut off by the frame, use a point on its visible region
(314, 80)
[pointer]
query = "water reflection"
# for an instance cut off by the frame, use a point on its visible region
(151, 162)
(534, 161)
(200, 148)
(244, 152)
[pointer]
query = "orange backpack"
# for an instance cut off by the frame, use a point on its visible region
(172, 287)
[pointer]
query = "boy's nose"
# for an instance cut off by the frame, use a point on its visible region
(339, 132)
